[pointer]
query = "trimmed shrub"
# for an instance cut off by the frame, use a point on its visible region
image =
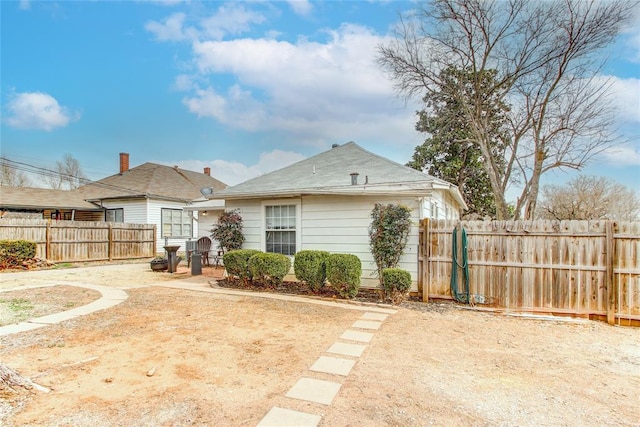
(310, 267)
(396, 282)
(13, 253)
(269, 268)
(237, 263)
(343, 272)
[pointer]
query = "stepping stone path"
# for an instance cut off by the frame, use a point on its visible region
(321, 391)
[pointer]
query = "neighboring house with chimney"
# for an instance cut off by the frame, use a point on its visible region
(152, 194)
(325, 203)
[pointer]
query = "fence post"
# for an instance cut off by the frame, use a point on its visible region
(47, 247)
(111, 243)
(610, 293)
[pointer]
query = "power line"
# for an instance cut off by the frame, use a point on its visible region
(26, 167)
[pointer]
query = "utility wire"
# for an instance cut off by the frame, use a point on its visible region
(26, 167)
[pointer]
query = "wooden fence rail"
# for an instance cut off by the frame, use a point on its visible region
(76, 241)
(581, 268)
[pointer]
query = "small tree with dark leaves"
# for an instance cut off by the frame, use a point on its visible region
(228, 230)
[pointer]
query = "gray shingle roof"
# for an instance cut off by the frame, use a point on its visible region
(330, 173)
(42, 198)
(151, 180)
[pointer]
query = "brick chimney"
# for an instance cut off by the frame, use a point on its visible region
(124, 162)
(207, 171)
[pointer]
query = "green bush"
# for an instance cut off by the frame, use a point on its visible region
(388, 234)
(396, 282)
(14, 252)
(268, 268)
(343, 272)
(310, 267)
(237, 263)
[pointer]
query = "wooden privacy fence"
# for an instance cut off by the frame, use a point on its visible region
(75, 241)
(580, 268)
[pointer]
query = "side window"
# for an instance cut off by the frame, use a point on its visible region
(114, 215)
(176, 223)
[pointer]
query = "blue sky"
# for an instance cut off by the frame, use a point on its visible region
(241, 87)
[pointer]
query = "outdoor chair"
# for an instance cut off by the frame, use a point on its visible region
(203, 246)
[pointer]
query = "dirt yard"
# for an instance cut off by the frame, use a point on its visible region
(174, 357)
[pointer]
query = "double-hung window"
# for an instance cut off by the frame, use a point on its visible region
(280, 228)
(176, 223)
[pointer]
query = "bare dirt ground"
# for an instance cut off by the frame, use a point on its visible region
(175, 357)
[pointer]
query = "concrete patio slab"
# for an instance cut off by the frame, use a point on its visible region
(344, 349)
(333, 365)
(313, 390)
(374, 316)
(366, 324)
(278, 417)
(356, 336)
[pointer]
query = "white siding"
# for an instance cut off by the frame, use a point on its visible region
(205, 223)
(134, 210)
(154, 216)
(440, 206)
(337, 224)
(252, 217)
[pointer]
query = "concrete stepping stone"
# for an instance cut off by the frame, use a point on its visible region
(356, 336)
(374, 316)
(366, 324)
(313, 390)
(278, 417)
(333, 365)
(354, 350)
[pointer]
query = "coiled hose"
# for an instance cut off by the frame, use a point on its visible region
(464, 296)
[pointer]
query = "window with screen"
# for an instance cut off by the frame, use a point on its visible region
(176, 223)
(280, 226)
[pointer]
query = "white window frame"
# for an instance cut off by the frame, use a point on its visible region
(185, 219)
(263, 220)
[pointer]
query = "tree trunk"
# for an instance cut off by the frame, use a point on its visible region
(11, 378)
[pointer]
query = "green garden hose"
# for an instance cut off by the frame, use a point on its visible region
(464, 296)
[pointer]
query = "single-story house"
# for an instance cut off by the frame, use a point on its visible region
(153, 194)
(46, 203)
(325, 203)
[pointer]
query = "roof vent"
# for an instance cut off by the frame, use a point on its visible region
(335, 145)
(354, 178)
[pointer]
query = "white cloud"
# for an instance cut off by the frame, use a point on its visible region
(171, 29)
(24, 5)
(623, 155)
(230, 19)
(233, 173)
(312, 91)
(301, 7)
(626, 95)
(37, 110)
(632, 33)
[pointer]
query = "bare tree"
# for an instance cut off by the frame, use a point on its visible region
(589, 197)
(11, 176)
(67, 175)
(544, 56)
